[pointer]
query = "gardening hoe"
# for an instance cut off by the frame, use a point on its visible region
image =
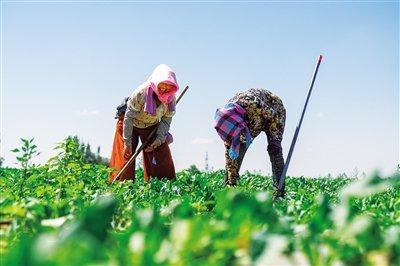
(147, 142)
(282, 179)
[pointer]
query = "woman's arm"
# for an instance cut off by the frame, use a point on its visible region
(163, 128)
(165, 123)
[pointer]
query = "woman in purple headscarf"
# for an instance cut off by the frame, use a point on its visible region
(245, 116)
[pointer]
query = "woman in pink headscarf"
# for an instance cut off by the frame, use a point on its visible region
(151, 105)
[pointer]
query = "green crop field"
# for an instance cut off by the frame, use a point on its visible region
(65, 213)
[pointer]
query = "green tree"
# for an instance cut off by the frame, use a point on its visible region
(89, 155)
(193, 169)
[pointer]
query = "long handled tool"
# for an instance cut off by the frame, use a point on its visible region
(145, 144)
(282, 179)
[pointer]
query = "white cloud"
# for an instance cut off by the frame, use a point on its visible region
(85, 112)
(320, 115)
(202, 141)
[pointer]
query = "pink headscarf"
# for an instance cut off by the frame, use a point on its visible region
(161, 74)
(164, 74)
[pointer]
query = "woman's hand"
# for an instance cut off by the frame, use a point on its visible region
(153, 146)
(127, 152)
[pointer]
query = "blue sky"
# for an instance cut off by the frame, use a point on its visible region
(66, 66)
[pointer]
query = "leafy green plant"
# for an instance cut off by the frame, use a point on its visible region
(25, 154)
(69, 214)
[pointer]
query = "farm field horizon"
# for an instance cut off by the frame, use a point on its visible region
(67, 77)
(65, 213)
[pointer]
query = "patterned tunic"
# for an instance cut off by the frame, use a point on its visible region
(264, 112)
